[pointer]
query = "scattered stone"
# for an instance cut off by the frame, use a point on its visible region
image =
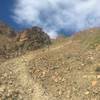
(55, 79)
(85, 76)
(63, 79)
(2, 88)
(87, 92)
(5, 75)
(30, 76)
(98, 76)
(60, 92)
(82, 64)
(94, 83)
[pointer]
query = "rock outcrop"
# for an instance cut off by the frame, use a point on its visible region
(33, 38)
(14, 44)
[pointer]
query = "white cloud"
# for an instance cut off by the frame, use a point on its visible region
(54, 15)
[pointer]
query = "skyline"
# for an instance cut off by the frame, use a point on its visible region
(54, 16)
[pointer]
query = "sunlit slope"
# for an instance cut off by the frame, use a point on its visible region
(89, 38)
(61, 71)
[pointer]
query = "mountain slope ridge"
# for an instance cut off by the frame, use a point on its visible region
(62, 71)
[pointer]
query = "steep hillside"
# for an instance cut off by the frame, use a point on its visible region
(64, 71)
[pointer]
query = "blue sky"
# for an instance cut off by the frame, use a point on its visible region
(54, 16)
(6, 12)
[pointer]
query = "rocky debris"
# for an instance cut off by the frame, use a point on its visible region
(94, 83)
(9, 90)
(65, 71)
(86, 93)
(68, 73)
(98, 76)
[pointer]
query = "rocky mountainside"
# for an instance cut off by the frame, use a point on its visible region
(14, 43)
(68, 70)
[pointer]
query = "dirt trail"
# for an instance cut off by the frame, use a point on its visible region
(27, 82)
(24, 77)
(34, 91)
(54, 74)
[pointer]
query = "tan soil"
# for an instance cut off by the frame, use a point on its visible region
(64, 71)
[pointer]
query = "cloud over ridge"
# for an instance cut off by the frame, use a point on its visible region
(57, 15)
